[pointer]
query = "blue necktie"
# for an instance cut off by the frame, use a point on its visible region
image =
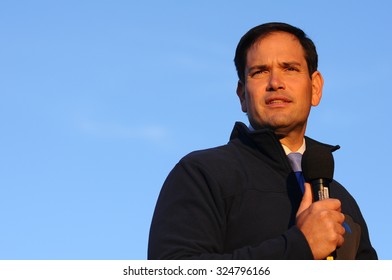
(295, 162)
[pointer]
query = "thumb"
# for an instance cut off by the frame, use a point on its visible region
(307, 199)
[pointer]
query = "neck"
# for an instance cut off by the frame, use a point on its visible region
(293, 141)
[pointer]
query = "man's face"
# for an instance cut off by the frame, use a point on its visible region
(278, 91)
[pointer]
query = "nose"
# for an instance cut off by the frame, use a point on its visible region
(275, 82)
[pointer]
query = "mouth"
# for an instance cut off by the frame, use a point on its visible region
(277, 100)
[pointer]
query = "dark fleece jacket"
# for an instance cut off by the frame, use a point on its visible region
(238, 201)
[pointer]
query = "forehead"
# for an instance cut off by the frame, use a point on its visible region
(276, 45)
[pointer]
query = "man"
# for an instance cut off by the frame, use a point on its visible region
(242, 200)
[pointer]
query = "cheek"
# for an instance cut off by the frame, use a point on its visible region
(253, 102)
(304, 109)
(254, 93)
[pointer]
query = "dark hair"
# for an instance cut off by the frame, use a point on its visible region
(261, 31)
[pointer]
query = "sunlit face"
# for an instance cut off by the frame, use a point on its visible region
(278, 91)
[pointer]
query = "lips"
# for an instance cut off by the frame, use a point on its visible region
(277, 100)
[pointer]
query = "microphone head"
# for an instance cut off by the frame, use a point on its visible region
(317, 163)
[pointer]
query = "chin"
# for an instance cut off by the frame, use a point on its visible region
(276, 124)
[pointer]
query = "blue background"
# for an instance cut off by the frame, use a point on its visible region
(100, 99)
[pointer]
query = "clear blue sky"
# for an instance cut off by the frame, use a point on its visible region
(99, 100)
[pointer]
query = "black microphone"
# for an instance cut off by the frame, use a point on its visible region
(317, 168)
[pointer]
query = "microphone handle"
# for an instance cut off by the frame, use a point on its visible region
(321, 191)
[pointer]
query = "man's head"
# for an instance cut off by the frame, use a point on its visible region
(259, 32)
(279, 81)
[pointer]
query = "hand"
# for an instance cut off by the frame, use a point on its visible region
(321, 223)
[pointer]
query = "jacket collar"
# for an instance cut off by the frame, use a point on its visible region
(265, 141)
(261, 136)
(262, 143)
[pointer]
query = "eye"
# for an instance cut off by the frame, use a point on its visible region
(255, 73)
(258, 73)
(292, 68)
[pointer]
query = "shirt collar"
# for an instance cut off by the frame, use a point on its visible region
(301, 150)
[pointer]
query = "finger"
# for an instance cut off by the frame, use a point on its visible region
(340, 239)
(334, 204)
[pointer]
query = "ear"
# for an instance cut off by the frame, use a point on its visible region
(317, 88)
(241, 95)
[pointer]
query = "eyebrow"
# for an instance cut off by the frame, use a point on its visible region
(290, 63)
(282, 64)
